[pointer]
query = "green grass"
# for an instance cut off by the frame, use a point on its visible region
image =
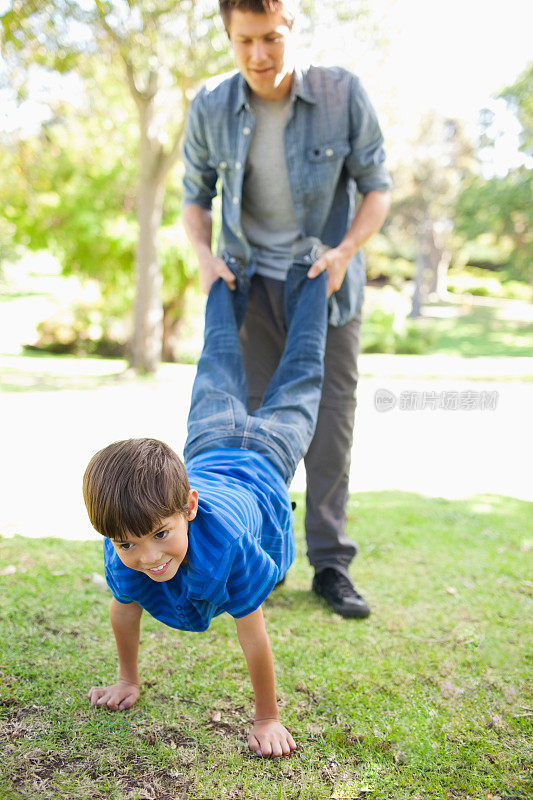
(425, 699)
(479, 332)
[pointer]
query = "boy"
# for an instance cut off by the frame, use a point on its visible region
(187, 554)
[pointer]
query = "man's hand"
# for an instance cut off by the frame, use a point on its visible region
(335, 263)
(118, 697)
(211, 268)
(268, 738)
(368, 220)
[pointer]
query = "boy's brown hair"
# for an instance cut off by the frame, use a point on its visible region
(132, 485)
(257, 7)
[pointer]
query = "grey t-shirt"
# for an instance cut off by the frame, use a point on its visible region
(267, 215)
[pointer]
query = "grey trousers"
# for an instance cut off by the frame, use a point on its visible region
(328, 459)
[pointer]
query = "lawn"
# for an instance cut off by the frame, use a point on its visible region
(425, 699)
(480, 331)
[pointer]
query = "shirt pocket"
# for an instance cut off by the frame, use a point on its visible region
(328, 153)
(324, 164)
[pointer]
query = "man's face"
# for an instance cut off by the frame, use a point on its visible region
(160, 553)
(260, 43)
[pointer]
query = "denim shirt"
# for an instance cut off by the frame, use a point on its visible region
(333, 149)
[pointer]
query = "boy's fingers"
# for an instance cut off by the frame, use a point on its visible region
(103, 700)
(276, 750)
(253, 745)
(127, 702)
(266, 748)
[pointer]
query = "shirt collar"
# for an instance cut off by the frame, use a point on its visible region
(300, 88)
(241, 99)
(300, 85)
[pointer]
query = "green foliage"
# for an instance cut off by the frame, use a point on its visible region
(140, 63)
(385, 260)
(486, 283)
(499, 212)
(520, 98)
(384, 332)
(74, 197)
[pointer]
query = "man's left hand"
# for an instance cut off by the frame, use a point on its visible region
(335, 263)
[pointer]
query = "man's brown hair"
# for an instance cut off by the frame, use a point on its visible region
(132, 485)
(257, 7)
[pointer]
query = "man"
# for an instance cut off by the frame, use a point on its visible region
(290, 147)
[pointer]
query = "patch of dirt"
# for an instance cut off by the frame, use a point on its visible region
(42, 773)
(22, 723)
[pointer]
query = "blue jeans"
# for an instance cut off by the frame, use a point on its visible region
(282, 428)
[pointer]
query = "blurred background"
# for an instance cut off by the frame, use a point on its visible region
(93, 98)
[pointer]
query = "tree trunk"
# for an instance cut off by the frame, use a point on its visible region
(439, 261)
(173, 312)
(422, 258)
(439, 275)
(148, 319)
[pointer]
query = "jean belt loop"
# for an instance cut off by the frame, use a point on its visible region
(308, 250)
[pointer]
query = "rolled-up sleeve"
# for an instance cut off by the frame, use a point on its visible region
(199, 180)
(366, 161)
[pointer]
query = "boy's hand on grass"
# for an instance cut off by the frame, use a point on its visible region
(118, 697)
(269, 738)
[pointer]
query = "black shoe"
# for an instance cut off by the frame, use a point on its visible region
(339, 593)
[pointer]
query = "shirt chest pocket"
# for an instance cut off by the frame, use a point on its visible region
(324, 164)
(327, 153)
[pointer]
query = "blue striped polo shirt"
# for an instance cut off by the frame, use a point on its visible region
(241, 543)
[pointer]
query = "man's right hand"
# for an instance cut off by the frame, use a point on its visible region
(118, 697)
(211, 268)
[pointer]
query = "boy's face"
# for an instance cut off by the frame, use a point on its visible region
(160, 553)
(260, 47)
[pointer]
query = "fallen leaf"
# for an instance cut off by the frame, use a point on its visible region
(399, 757)
(99, 581)
(215, 716)
(451, 590)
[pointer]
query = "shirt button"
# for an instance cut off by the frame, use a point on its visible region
(235, 201)
(223, 165)
(329, 151)
(246, 131)
(238, 165)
